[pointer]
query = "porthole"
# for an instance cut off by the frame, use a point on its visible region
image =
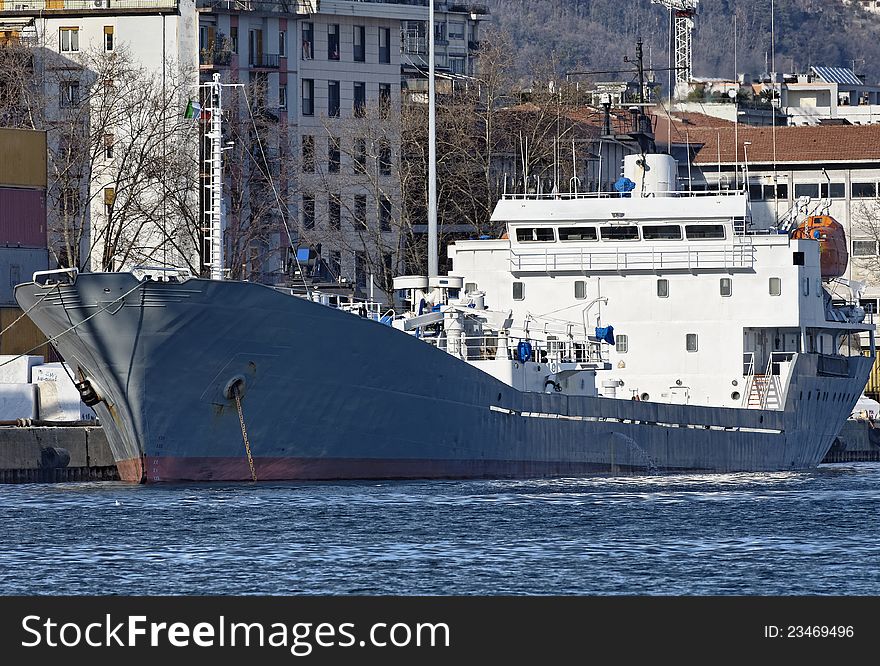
(735, 395)
(645, 396)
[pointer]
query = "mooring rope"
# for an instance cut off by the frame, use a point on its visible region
(28, 311)
(247, 444)
(77, 325)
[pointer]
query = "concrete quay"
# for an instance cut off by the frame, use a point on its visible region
(49, 454)
(59, 453)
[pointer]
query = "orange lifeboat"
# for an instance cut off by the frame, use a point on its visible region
(833, 255)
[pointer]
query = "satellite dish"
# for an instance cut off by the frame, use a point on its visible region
(731, 93)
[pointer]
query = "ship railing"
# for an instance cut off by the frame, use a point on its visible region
(55, 277)
(760, 388)
(486, 347)
(585, 260)
(556, 196)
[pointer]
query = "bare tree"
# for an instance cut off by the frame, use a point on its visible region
(117, 139)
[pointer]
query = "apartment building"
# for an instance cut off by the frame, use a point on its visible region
(320, 79)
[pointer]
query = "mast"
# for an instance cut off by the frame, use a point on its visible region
(214, 160)
(433, 256)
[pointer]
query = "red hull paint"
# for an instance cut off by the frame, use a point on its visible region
(291, 469)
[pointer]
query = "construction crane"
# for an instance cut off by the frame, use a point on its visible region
(683, 12)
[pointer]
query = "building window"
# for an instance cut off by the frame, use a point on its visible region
(282, 44)
(518, 291)
(360, 51)
(621, 344)
(308, 97)
(109, 200)
(360, 269)
(334, 263)
(333, 41)
(308, 211)
(282, 96)
(308, 153)
(691, 342)
(359, 161)
(69, 202)
(864, 248)
(333, 99)
(778, 191)
(384, 213)
(233, 37)
(384, 158)
(68, 40)
(308, 41)
(359, 107)
(384, 100)
(775, 286)
(108, 38)
(864, 190)
(108, 146)
(726, 287)
(69, 93)
(456, 65)
(663, 288)
(806, 190)
(334, 211)
(580, 289)
(833, 190)
(360, 211)
(384, 46)
(333, 154)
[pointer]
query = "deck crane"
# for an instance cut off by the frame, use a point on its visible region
(683, 12)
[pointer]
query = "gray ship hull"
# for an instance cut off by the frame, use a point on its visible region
(330, 395)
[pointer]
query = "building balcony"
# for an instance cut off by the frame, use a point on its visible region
(215, 58)
(298, 7)
(473, 45)
(86, 7)
(263, 60)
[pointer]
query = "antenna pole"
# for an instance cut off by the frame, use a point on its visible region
(215, 161)
(433, 254)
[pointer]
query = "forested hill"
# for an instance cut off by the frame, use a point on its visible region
(597, 34)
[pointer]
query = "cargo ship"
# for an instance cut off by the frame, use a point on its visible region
(652, 328)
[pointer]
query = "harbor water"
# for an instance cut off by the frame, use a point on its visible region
(799, 533)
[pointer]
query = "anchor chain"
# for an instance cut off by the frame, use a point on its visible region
(247, 445)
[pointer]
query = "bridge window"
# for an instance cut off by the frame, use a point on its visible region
(663, 288)
(578, 234)
(580, 289)
(621, 344)
(620, 233)
(775, 286)
(726, 287)
(704, 231)
(535, 235)
(518, 291)
(691, 342)
(661, 232)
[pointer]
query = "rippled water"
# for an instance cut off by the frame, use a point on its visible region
(756, 534)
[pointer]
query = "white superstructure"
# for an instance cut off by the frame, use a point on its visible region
(703, 310)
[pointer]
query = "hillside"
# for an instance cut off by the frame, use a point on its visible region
(597, 34)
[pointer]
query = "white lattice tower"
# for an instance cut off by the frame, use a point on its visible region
(683, 12)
